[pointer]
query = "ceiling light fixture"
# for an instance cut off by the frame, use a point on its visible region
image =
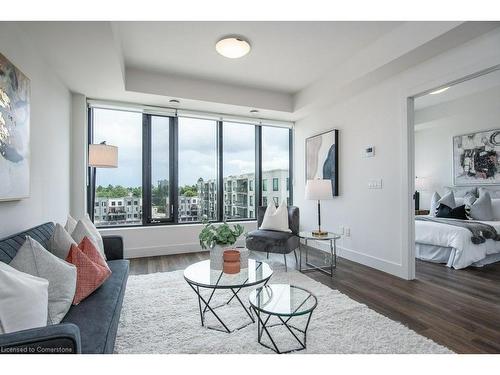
(232, 47)
(174, 101)
(254, 111)
(439, 91)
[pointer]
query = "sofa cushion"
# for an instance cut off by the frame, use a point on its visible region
(272, 241)
(10, 245)
(97, 316)
(60, 242)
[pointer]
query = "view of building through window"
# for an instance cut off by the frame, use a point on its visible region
(119, 195)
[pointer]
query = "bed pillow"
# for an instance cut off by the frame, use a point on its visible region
(23, 300)
(434, 203)
(494, 192)
(448, 200)
(461, 192)
(495, 206)
(479, 208)
(451, 213)
(276, 219)
(34, 259)
(60, 242)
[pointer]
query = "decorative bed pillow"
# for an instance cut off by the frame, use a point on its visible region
(23, 300)
(434, 203)
(92, 271)
(460, 192)
(70, 224)
(479, 208)
(276, 219)
(448, 200)
(451, 213)
(95, 233)
(81, 231)
(60, 242)
(494, 192)
(34, 259)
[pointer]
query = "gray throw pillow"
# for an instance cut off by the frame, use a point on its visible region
(33, 259)
(448, 200)
(479, 208)
(434, 203)
(460, 192)
(60, 242)
(494, 192)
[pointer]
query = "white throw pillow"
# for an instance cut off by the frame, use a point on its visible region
(34, 259)
(276, 219)
(23, 300)
(95, 233)
(82, 230)
(60, 242)
(70, 224)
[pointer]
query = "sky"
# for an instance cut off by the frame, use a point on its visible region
(197, 148)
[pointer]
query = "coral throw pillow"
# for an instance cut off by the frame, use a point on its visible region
(91, 270)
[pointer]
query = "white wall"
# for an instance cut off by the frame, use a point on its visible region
(50, 135)
(378, 116)
(435, 127)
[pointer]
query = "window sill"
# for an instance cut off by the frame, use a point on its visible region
(168, 225)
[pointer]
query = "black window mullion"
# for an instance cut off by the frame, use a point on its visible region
(90, 182)
(174, 172)
(290, 166)
(146, 169)
(220, 173)
(258, 169)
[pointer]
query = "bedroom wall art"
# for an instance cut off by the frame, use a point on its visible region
(476, 158)
(322, 157)
(14, 132)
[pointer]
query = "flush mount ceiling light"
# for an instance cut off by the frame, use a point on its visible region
(174, 101)
(254, 111)
(439, 91)
(232, 47)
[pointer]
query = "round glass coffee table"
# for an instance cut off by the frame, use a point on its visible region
(284, 302)
(201, 276)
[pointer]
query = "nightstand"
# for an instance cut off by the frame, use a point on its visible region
(422, 212)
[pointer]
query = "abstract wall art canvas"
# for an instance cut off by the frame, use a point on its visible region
(322, 157)
(476, 158)
(14, 132)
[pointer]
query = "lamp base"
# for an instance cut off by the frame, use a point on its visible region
(319, 233)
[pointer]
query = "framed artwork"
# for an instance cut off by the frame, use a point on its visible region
(322, 155)
(14, 132)
(476, 158)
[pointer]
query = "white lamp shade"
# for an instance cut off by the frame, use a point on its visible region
(319, 190)
(103, 156)
(422, 184)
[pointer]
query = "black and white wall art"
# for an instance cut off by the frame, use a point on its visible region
(322, 158)
(14, 132)
(476, 158)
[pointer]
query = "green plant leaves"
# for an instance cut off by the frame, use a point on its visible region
(222, 234)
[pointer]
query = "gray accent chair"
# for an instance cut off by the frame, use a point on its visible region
(89, 327)
(270, 241)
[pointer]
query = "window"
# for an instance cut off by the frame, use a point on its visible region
(276, 159)
(239, 166)
(122, 129)
(160, 172)
(275, 184)
(198, 168)
(180, 169)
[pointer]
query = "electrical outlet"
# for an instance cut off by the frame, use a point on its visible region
(348, 232)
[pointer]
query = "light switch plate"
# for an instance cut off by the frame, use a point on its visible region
(375, 184)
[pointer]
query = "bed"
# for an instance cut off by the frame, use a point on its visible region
(451, 245)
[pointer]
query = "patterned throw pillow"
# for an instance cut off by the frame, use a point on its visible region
(91, 270)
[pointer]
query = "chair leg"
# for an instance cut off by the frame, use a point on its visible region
(296, 260)
(286, 267)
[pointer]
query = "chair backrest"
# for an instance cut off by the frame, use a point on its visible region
(10, 245)
(293, 217)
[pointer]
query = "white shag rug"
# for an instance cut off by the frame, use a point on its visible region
(161, 315)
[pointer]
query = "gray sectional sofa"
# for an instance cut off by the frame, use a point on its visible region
(89, 327)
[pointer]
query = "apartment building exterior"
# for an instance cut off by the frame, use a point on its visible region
(118, 211)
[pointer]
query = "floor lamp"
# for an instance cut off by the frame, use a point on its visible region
(100, 156)
(319, 190)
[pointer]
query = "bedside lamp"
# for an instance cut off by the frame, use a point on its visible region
(319, 190)
(101, 156)
(421, 184)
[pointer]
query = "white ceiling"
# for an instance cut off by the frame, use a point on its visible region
(285, 56)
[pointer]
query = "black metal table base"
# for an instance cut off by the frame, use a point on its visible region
(328, 269)
(263, 327)
(207, 308)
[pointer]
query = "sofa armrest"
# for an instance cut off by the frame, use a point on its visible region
(53, 339)
(113, 247)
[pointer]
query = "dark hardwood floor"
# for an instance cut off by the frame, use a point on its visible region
(459, 309)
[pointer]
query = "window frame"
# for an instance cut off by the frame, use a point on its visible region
(173, 172)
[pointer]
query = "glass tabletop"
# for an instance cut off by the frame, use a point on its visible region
(202, 275)
(310, 236)
(283, 300)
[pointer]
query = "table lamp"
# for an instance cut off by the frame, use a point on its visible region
(319, 190)
(421, 184)
(101, 156)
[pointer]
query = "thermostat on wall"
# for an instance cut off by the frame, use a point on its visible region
(369, 151)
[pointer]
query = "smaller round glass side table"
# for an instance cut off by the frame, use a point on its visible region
(283, 302)
(327, 269)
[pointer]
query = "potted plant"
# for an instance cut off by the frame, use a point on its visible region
(218, 237)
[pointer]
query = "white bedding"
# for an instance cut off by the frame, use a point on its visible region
(465, 252)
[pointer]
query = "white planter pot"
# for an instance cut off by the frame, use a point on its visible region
(216, 257)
